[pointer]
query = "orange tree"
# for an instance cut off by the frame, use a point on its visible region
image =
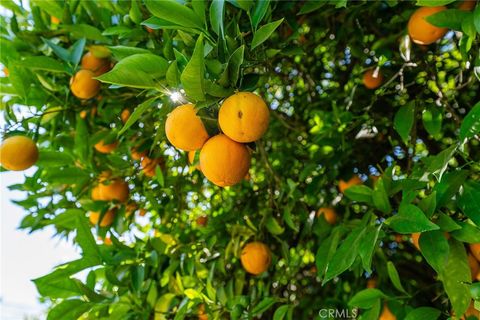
(348, 181)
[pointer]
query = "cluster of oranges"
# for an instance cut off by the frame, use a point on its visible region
(224, 158)
(421, 32)
(82, 84)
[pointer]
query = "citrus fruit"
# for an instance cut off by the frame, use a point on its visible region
(467, 5)
(420, 30)
(473, 264)
(387, 314)
(244, 117)
(223, 161)
(107, 218)
(125, 115)
(105, 148)
(415, 240)
(328, 213)
(149, 165)
(83, 85)
(344, 185)
(97, 65)
(202, 220)
(115, 189)
(475, 249)
(18, 153)
(138, 155)
(372, 79)
(256, 257)
(184, 129)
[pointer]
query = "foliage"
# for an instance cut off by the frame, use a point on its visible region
(414, 141)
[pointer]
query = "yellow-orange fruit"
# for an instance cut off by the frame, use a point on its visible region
(142, 212)
(6, 72)
(372, 283)
(107, 219)
(223, 161)
(97, 65)
(475, 249)
(83, 85)
(149, 30)
(130, 209)
(415, 240)
(201, 312)
(471, 312)
(83, 114)
(473, 264)
(191, 159)
(256, 257)
(184, 129)
(54, 20)
(344, 185)
(105, 148)
(329, 214)
(467, 5)
(202, 220)
(138, 155)
(18, 153)
(115, 189)
(420, 30)
(387, 314)
(149, 165)
(125, 115)
(372, 79)
(244, 117)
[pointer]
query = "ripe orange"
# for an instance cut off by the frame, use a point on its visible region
(83, 85)
(420, 30)
(474, 266)
(256, 257)
(475, 249)
(372, 283)
(184, 129)
(114, 189)
(149, 30)
(467, 5)
(415, 238)
(107, 219)
(202, 220)
(142, 212)
(97, 65)
(54, 20)
(201, 312)
(329, 214)
(244, 117)
(472, 312)
(224, 161)
(18, 153)
(125, 115)
(105, 148)
(83, 114)
(387, 314)
(138, 155)
(372, 79)
(149, 165)
(6, 72)
(344, 185)
(130, 209)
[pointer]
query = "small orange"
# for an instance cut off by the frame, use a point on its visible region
(105, 148)
(107, 219)
(387, 314)
(6, 72)
(115, 189)
(256, 257)
(372, 79)
(415, 240)
(18, 153)
(372, 283)
(474, 266)
(125, 115)
(344, 185)
(201, 312)
(54, 20)
(472, 312)
(83, 85)
(130, 209)
(202, 220)
(475, 249)
(98, 66)
(184, 129)
(244, 117)
(149, 165)
(329, 214)
(224, 161)
(142, 212)
(107, 241)
(83, 114)
(467, 5)
(420, 30)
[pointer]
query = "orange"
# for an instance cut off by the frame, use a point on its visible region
(191, 159)
(149, 30)
(472, 312)
(105, 148)
(467, 5)
(83, 114)
(184, 129)
(201, 312)
(130, 209)
(18, 153)
(54, 20)
(115, 189)
(202, 220)
(387, 314)
(372, 283)
(97, 65)
(6, 72)
(473, 264)
(83, 85)
(328, 213)
(415, 240)
(142, 212)
(244, 117)
(138, 155)
(107, 241)
(125, 115)
(344, 185)
(149, 165)
(107, 219)
(372, 79)
(223, 161)
(420, 30)
(256, 257)
(475, 249)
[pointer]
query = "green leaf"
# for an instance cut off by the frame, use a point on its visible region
(42, 63)
(476, 18)
(423, 313)
(455, 277)
(51, 7)
(234, 63)
(280, 312)
(263, 306)
(446, 223)
(433, 3)
(54, 158)
(258, 12)
(121, 52)
(82, 147)
(403, 121)
(451, 18)
(192, 76)
(311, 5)
(217, 9)
(273, 226)
(469, 201)
(368, 246)
(137, 113)
(428, 204)
(449, 186)
(366, 298)
(360, 193)
(380, 197)
(438, 164)
(68, 175)
(137, 71)
(394, 277)
(86, 241)
(435, 249)
(410, 219)
(471, 123)
(264, 32)
(60, 288)
(432, 121)
(79, 31)
(138, 275)
(69, 310)
(175, 12)
(468, 233)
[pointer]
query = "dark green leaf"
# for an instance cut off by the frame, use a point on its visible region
(403, 121)
(471, 122)
(394, 277)
(175, 12)
(451, 18)
(435, 249)
(423, 313)
(264, 32)
(410, 219)
(193, 75)
(469, 201)
(366, 298)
